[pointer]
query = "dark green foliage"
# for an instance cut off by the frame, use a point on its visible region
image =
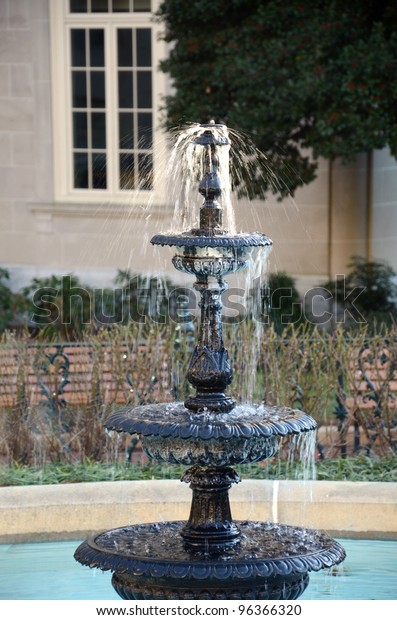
(291, 74)
(5, 300)
(63, 308)
(353, 469)
(12, 305)
(370, 288)
(142, 297)
(60, 306)
(377, 278)
(282, 301)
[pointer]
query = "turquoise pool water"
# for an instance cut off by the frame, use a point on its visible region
(47, 571)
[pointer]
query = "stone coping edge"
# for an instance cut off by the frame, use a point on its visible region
(74, 511)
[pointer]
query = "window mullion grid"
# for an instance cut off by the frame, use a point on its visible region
(112, 108)
(134, 107)
(70, 109)
(126, 144)
(74, 110)
(89, 109)
(89, 9)
(113, 148)
(94, 153)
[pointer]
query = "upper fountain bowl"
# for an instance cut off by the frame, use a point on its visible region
(222, 239)
(212, 253)
(212, 261)
(172, 433)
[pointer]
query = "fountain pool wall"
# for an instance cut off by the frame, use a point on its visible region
(71, 511)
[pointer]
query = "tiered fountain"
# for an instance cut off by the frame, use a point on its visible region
(210, 556)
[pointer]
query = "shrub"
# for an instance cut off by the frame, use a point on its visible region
(368, 293)
(282, 301)
(12, 305)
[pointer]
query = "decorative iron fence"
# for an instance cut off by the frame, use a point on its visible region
(54, 397)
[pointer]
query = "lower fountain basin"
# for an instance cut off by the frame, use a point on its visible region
(269, 562)
(289, 587)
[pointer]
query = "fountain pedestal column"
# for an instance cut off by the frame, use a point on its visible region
(210, 371)
(210, 527)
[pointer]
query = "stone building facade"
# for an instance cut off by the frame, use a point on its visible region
(68, 199)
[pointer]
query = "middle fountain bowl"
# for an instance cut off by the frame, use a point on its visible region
(210, 556)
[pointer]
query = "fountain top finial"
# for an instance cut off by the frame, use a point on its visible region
(214, 134)
(210, 232)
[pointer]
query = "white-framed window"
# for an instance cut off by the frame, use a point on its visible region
(107, 92)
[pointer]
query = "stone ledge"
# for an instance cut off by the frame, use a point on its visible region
(79, 208)
(72, 511)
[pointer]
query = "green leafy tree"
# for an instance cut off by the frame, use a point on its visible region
(292, 74)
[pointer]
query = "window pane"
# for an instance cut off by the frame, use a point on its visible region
(125, 90)
(80, 130)
(97, 89)
(97, 49)
(144, 47)
(99, 171)
(78, 48)
(142, 5)
(126, 130)
(81, 170)
(78, 6)
(144, 131)
(121, 6)
(144, 89)
(145, 172)
(127, 171)
(98, 130)
(79, 89)
(124, 47)
(99, 6)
